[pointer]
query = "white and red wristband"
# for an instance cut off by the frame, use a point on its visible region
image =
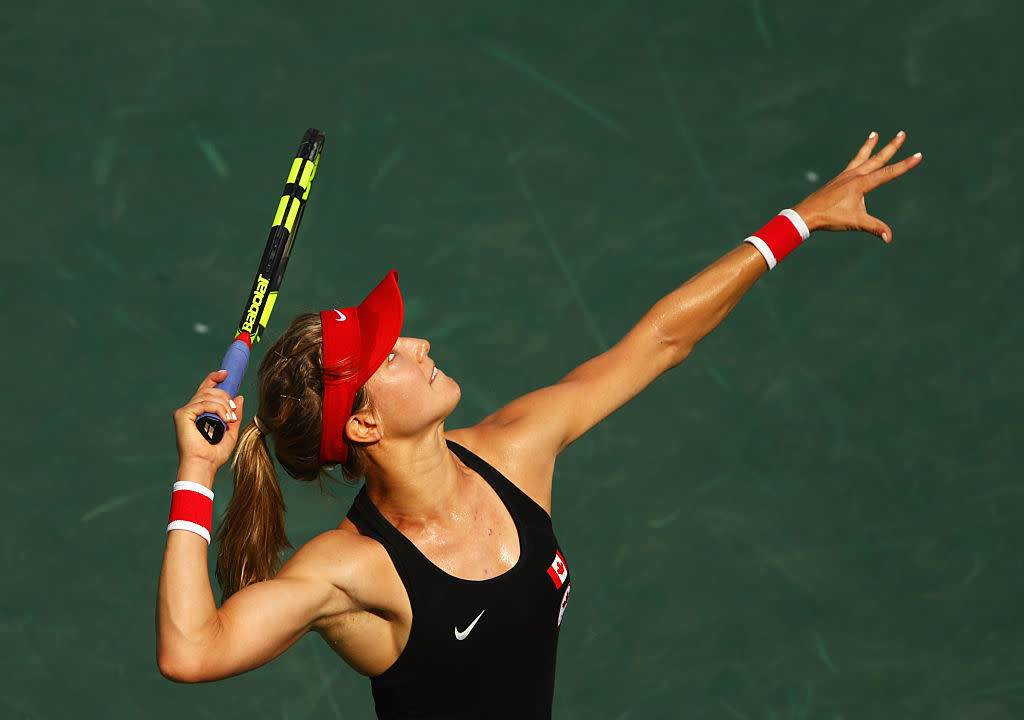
(780, 236)
(191, 509)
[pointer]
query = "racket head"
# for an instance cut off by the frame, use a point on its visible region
(283, 231)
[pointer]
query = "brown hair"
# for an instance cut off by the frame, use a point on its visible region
(291, 385)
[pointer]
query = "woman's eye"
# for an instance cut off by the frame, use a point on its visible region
(391, 356)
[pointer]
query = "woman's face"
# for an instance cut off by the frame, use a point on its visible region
(408, 392)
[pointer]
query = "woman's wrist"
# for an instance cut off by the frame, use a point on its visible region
(197, 470)
(810, 218)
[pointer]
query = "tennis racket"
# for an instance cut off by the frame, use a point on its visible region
(263, 295)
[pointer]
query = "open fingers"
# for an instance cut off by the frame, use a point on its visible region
(890, 172)
(865, 151)
(884, 155)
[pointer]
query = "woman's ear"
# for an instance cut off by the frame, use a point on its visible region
(362, 428)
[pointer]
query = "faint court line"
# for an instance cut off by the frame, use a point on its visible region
(546, 82)
(570, 277)
(677, 121)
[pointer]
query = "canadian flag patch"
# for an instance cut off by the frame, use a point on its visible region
(558, 571)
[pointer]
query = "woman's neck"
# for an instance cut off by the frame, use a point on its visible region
(415, 481)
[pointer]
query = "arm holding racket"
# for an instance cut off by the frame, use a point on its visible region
(196, 641)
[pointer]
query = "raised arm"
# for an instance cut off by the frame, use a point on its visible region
(196, 640)
(541, 424)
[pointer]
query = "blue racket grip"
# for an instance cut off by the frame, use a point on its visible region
(236, 360)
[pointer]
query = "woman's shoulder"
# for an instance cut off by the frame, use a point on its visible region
(369, 607)
(341, 545)
(495, 448)
(355, 564)
(513, 456)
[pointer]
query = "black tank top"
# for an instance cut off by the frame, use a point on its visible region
(477, 648)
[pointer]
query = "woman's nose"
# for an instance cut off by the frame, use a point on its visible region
(422, 349)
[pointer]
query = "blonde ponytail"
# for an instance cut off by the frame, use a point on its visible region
(251, 534)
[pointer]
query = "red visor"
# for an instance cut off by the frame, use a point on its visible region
(356, 342)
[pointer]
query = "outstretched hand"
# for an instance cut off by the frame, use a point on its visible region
(839, 204)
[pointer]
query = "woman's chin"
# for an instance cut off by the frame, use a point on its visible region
(456, 392)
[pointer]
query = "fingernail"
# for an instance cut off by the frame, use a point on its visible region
(900, 134)
(232, 404)
(872, 135)
(234, 418)
(885, 237)
(917, 155)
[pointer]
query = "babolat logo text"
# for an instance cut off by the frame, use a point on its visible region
(253, 313)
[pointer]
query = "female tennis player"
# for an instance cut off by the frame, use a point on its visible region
(444, 583)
